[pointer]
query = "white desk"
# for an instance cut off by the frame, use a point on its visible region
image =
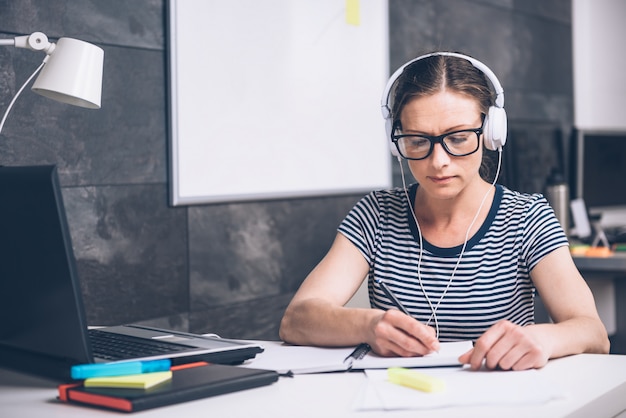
(596, 387)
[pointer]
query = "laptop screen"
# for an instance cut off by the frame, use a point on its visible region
(43, 321)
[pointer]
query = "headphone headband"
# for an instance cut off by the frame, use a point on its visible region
(496, 119)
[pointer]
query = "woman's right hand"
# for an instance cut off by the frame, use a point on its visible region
(397, 334)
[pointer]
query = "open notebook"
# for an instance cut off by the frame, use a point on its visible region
(43, 329)
(292, 359)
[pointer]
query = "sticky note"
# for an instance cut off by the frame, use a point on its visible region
(132, 381)
(353, 14)
(121, 368)
(415, 380)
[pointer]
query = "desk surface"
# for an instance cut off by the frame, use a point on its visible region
(595, 384)
(615, 263)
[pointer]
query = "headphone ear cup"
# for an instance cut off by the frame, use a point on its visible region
(394, 150)
(495, 128)
(392, 146)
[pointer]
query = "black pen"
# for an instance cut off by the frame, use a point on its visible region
(391, 296)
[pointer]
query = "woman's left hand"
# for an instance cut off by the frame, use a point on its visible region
(508, 347)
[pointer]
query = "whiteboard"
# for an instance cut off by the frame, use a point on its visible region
(598, 33)
(276, 98)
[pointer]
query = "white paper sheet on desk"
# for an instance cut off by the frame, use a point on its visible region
(448, 355)
(286, 358)
(302, 359)
(463, 388)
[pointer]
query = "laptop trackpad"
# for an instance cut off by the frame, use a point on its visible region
(146, 333)
(166, 335)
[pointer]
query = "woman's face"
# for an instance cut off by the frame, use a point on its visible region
(442, 175)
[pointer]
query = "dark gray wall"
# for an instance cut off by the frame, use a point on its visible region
(232, 268)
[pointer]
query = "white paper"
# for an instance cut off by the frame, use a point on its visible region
(464, 387)
(448, 355)
(301, 359)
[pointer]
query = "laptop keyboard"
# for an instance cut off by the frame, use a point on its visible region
(113, 347)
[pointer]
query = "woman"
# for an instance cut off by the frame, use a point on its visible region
(464, 258)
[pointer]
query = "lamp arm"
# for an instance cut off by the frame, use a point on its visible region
(36, 41)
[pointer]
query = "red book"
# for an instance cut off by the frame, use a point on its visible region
(189, 382)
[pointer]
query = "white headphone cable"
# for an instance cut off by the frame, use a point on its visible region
(458, 262)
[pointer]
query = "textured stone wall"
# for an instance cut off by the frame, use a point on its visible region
(231, 268)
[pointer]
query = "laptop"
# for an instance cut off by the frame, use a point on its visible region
(43, 330)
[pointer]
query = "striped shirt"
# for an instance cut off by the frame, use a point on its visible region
(492, 281)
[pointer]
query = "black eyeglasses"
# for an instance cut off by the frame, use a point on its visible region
(418, 147)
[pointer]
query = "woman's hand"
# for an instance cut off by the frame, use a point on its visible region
(397, 334)
(508, 347)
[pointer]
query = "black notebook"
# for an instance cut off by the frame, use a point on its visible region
(187, 384)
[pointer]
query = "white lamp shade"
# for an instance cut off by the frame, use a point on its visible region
(72, 74)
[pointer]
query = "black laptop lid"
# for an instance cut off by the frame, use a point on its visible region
(42, 325)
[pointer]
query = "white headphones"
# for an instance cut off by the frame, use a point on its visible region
(495, 126)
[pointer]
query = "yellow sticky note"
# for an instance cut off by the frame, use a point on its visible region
(133, 381)
(353, 14)
(415, 380)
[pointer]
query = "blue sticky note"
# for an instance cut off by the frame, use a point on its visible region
(122, 368)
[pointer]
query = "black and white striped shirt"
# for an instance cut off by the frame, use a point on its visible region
(492, 281)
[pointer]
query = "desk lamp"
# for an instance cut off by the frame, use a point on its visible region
(71, 72)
